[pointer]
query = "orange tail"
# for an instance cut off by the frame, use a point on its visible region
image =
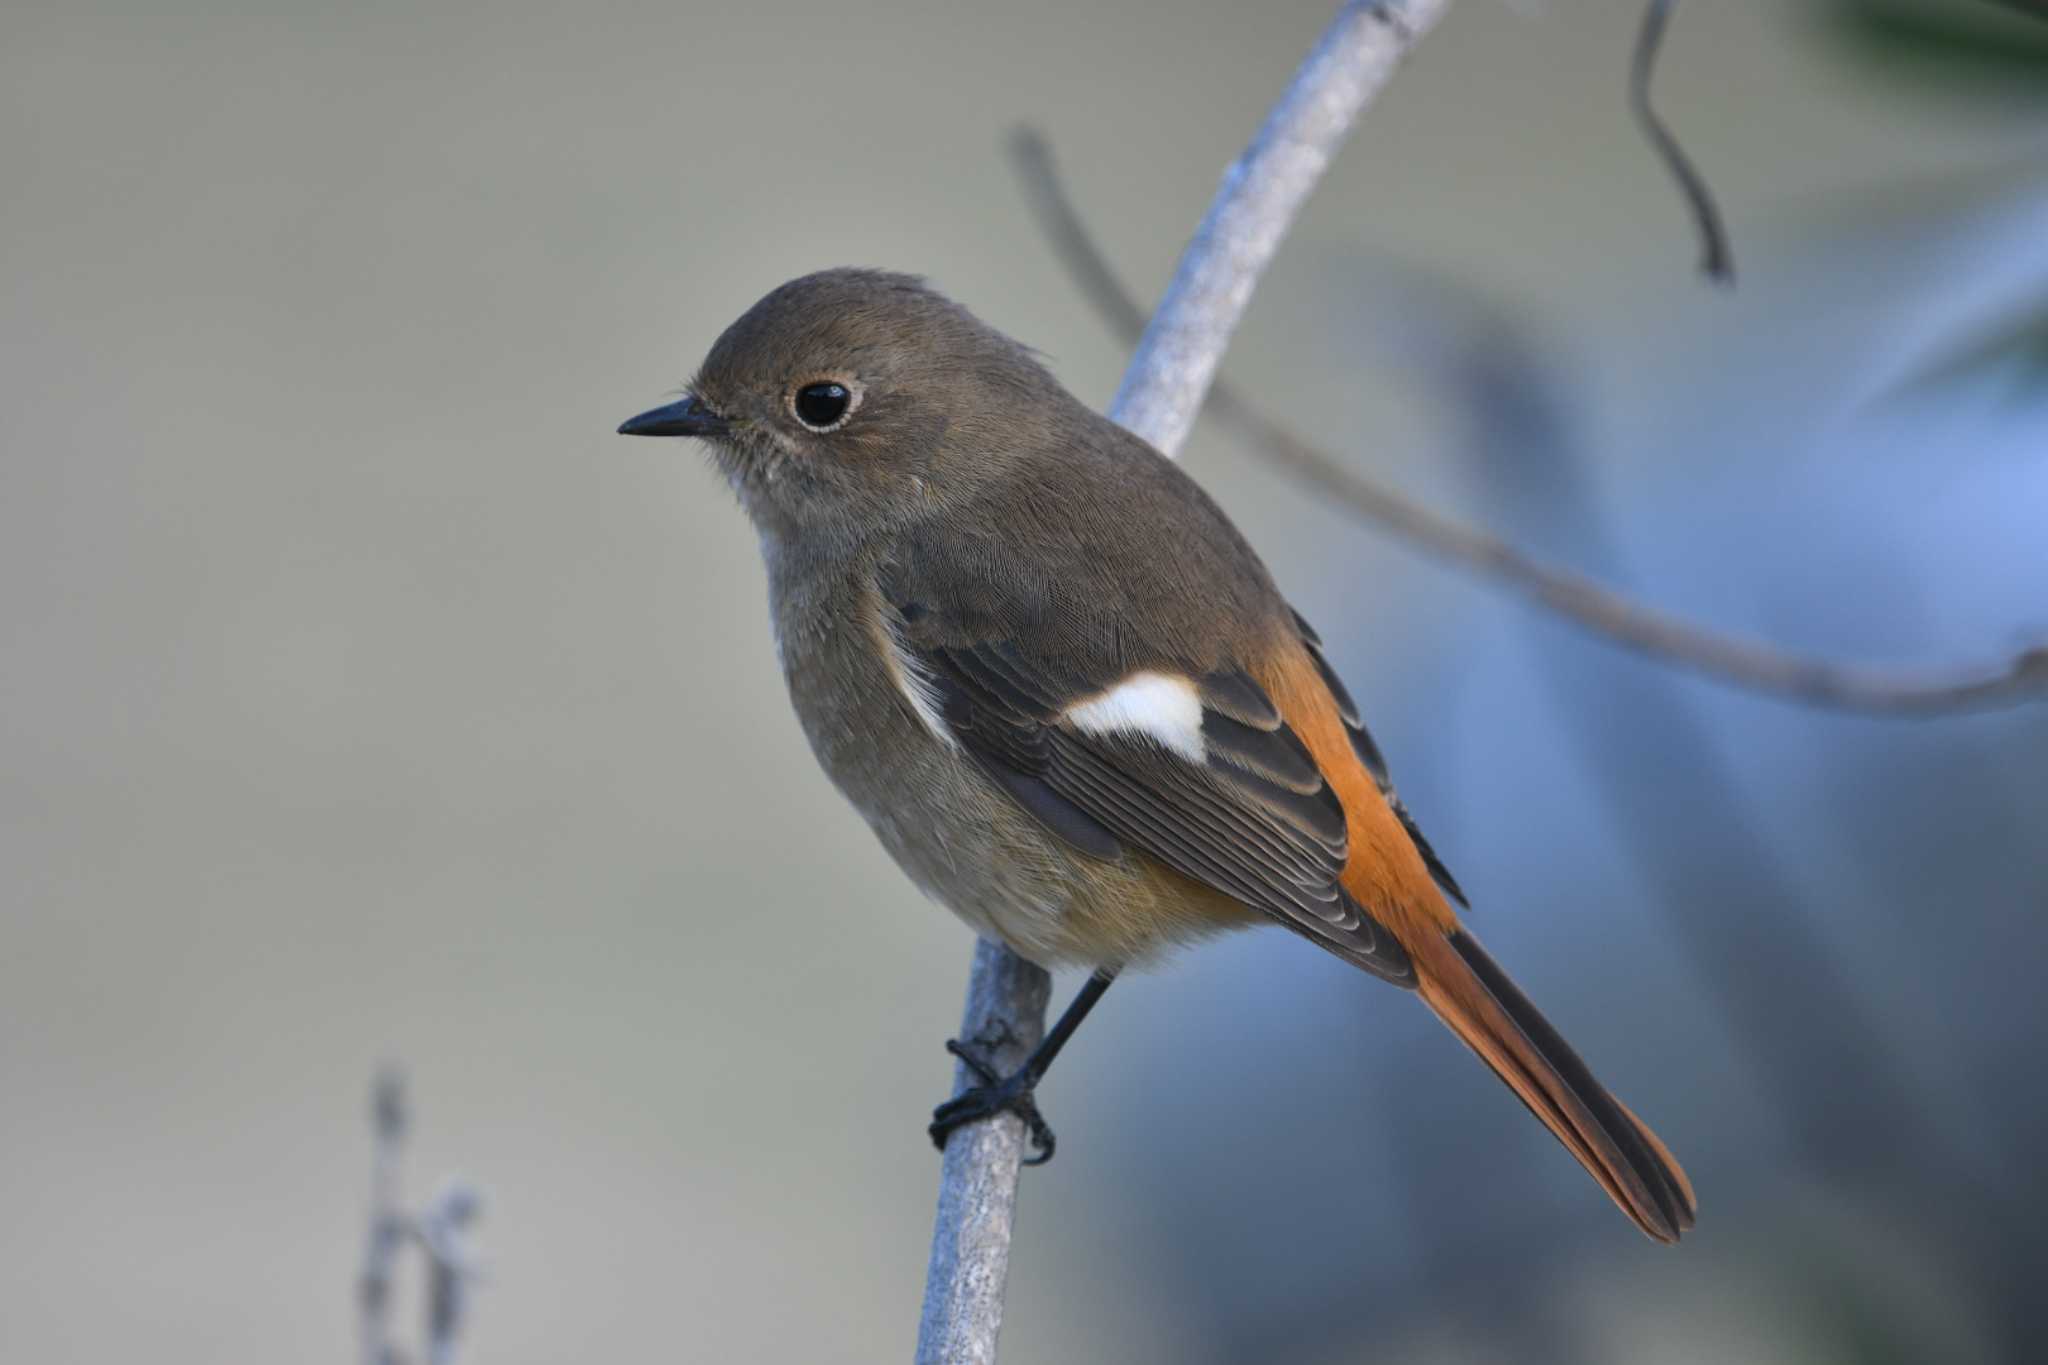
(1471, 994)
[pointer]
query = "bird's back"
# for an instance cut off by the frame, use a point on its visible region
(1091, 499)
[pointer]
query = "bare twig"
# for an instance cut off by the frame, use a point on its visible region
(440, 1230)
(387, 1222)
(1656, 634)
(1162, 390)
(443, 1231)
(1717, 262)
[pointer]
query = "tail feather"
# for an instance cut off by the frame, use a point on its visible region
(1472, 995)
(1687, 1201)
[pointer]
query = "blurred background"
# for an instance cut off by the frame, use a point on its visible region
(363, 696)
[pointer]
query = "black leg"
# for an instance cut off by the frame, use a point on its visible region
(1014, 1092)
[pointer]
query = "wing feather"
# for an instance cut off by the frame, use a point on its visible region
(1253, 818)
(1376, 763)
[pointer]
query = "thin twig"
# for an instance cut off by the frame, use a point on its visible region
(1716, 259)
(387, 1221)
(1162, 390)
(1654, 633)
(441, 1232)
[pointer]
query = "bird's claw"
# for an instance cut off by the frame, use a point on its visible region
(995, 1095)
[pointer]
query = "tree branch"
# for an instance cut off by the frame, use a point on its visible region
(1261, 193)
(1657, 634)
(963, 1290)
(1717, 262)
(440, 1230)
(1162, 391)
(387, 1221)
(443, 1230)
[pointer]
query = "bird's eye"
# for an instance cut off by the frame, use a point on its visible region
(822, 406)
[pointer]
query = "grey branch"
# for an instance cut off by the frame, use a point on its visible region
(1163, 389)
(440, 1230)
(1261, 193)
(443, 1230)
(387, 1223)
(1657, 634)
(963, 1291)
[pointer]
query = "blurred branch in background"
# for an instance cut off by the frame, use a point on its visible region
(440, 1230)
(387, 1224)
(1717, 262)
(1163, 390)
(1814, 1041)
(1663, 637)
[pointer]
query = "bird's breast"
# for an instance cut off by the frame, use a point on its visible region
(957, 835)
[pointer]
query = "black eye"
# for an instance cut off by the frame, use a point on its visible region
(821, 405)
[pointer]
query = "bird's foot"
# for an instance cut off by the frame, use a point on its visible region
(995, 1095)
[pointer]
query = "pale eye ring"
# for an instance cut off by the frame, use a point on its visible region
(824, 405)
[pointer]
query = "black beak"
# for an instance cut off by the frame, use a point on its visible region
(687, 417)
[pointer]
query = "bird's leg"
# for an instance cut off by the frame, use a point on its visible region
(1013, 1093)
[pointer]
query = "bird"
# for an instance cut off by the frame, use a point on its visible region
(1069, 699)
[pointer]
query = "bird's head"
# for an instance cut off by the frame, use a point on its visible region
(851, 402)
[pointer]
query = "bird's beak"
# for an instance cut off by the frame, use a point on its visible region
(686, 417)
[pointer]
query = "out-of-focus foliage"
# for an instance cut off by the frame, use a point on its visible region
(2008, 365)
(1994, 52)
(1993, 49)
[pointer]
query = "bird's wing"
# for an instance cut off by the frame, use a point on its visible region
(1116, 751)
(1252, 776)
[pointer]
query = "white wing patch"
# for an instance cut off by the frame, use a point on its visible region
(915, 683)
(1164, 708)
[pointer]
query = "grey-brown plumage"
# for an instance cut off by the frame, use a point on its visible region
(1064, 691)
(972, 523)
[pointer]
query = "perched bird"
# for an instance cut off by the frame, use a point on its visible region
(1067, 695)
